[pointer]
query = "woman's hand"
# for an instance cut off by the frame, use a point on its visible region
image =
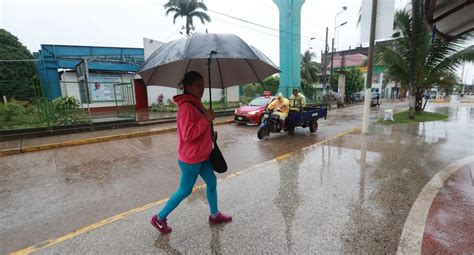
(210, 115)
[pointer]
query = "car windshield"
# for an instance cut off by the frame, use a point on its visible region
(259, 102)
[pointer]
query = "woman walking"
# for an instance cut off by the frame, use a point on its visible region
(194, 148)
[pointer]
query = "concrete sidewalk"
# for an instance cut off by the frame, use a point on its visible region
(57, 141)
(351, 194)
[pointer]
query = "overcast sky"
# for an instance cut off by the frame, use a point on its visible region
(124, 23)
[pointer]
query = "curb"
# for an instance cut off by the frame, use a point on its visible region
(411, 239)
(99, 139)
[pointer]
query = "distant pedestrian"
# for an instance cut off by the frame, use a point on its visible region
(194, 148)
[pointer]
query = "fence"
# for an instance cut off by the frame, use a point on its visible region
(25, 104)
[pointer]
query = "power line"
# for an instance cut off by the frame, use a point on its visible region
(19, 60)
(259, 25)
(264, 32)
(263, 26)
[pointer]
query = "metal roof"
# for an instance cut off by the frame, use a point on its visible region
(450, 18)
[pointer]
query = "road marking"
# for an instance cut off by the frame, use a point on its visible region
(86, 229)
(284, 156)
(414, 228)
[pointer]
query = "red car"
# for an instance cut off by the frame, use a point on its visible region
(253, 112)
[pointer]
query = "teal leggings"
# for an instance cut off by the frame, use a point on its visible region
(189, 175)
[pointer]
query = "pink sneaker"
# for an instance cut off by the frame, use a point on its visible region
(220, 218)
(161, 225)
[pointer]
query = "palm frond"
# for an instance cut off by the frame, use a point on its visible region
(201, 15)
(202, 6)
(176, 15)
(172, 9)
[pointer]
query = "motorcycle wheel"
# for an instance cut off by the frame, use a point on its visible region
(261, 134)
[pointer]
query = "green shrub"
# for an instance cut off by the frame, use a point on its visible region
(67, 112)
(65, 104)
(18, 114)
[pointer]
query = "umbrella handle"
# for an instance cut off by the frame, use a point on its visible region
(209, 62)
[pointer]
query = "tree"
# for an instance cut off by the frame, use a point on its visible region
(447, 84)
(188, 9)
(271, 84)
(433, 58)
(354, 81)
(309, 74)
(15, 76)
(309, 68)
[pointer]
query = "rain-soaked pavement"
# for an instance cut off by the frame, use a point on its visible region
(349, 195)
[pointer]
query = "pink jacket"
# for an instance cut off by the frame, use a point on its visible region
(194, 131)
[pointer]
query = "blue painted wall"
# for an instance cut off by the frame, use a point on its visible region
(290, 45)
(111, 59)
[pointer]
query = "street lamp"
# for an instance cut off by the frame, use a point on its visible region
(332, 51)
(332, 48)
(335, 21)
(335, 18)
(342, 24)
(310, 39)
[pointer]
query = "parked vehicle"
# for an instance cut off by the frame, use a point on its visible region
(306, 117)
(375, 99)
(356, 97)
(253, 112)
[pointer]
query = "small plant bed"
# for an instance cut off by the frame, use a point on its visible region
(403, 118)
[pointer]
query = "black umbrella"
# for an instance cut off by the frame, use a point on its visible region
(224, 60)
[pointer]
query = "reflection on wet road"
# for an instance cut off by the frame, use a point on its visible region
(72, 187)
(351, 195)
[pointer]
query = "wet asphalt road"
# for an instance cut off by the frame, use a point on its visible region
(50, 193)
(350, 195)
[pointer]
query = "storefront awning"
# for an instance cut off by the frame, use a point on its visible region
(450, 18)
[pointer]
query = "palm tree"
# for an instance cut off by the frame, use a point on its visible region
(309, 68)
(434, 58)
(188, 9)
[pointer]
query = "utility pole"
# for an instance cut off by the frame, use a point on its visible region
(332, 60)
(370, 63)
(462, 78)
(325, 60)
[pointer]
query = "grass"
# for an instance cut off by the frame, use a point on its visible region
(219, 106)
(403, 118)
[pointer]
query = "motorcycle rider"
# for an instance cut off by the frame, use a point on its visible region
(280, 107)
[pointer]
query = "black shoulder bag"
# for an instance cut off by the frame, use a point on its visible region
(217, 159)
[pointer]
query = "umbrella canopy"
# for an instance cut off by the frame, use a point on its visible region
(234, 62)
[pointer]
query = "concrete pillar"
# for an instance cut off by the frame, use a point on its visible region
(341, 87)
(290, 45)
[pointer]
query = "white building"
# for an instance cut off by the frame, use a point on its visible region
(385, 17)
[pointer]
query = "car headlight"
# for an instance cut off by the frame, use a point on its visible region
(236, 110)
(253, 113)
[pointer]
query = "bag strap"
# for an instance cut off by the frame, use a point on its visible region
(213, 134)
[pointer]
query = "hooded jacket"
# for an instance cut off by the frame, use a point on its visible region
(194, 130)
